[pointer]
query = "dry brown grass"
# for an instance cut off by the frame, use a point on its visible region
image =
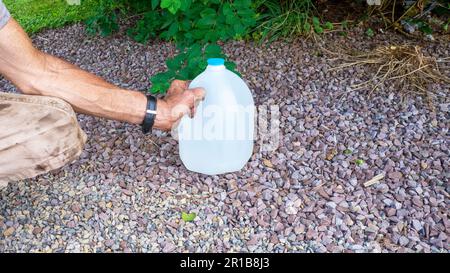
(402, 66)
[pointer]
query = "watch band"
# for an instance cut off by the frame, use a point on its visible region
(150, 114)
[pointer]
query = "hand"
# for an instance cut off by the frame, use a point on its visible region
(178, 102)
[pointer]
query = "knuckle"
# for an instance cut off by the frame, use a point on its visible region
(189, 95)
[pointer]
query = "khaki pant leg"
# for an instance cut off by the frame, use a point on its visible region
(37, 134)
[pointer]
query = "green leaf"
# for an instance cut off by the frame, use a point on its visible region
(316, 25)
(208, 12)
(195, 51)
(425, 28)
(175, 63)
(307, 27)
(316, 22)
(173, 29)
(155, 4)
(198, 34)
(318, 29)
(359, 162)
(369, 32)
(168, 22)
(212, 50)
(227, 10)
(171, 5)
(329, 26)
(185, 4)
(239, 28)
(188, 217)
(230, 66)
(245, 12)
(206, 21)
(211, 37)
(183, 74)
(230, 19)
(347, 151)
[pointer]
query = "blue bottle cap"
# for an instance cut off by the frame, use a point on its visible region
(216, 61)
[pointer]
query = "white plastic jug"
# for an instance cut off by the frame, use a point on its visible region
(219, 138)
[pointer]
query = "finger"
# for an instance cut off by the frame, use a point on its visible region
(177, 86)
(199, 93)
(191, 97)
(194, 108)
(188, 98)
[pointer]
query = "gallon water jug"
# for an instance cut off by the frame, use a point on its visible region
(219, 138)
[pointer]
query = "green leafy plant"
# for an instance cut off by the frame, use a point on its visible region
(196, 27)
(188, 64)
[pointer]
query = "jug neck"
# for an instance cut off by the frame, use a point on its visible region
(215, 67)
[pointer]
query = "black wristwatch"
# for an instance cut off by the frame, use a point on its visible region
(150, 114)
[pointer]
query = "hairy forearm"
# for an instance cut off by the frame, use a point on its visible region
(38, 73)
(87, 93)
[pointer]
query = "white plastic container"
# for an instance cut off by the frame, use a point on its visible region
(219, 139)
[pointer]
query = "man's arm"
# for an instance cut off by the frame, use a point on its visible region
(37, 73)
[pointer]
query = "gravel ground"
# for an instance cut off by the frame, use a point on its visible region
(127, 191)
